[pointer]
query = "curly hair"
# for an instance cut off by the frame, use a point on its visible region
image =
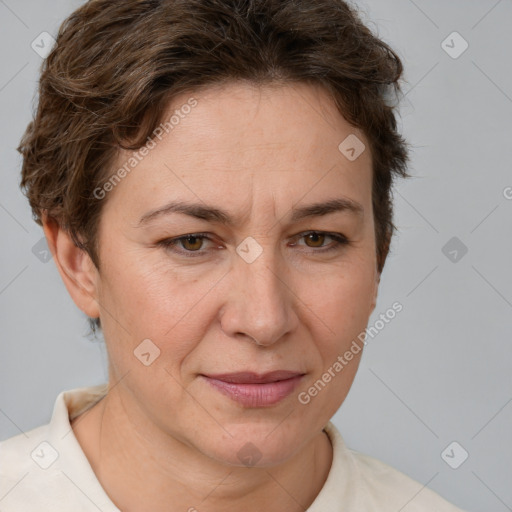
(117, 64)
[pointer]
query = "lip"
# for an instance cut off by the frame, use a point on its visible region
(256, 390)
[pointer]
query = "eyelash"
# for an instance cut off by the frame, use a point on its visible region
(339, 241)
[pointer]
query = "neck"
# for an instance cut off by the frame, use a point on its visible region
(143, 468)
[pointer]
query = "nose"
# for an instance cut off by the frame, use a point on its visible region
(259, 304)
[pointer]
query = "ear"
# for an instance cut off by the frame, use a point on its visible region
(75, 266)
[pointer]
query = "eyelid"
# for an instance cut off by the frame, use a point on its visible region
(340, 240)
(170, 242)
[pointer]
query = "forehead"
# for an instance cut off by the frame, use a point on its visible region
(239, 120)
(236, 139)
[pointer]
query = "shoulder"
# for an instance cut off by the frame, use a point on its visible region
(16, 452)
(380, 486)
(23, 461)
(46, 469)
(395, 489)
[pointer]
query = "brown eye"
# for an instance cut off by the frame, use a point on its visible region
(192, 243)
(316, 239)
(189, 245)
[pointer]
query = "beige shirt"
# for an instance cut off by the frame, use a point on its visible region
(45, 469)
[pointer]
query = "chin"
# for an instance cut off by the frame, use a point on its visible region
(257, 445)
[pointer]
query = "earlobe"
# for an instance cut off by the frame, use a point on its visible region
(75, 267)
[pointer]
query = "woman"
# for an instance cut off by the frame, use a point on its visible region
(213, 179)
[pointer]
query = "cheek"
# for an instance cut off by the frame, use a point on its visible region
(148, 297)
(341, 300)
(156, 302)
(342, 306)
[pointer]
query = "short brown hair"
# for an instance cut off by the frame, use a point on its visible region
(117, 64)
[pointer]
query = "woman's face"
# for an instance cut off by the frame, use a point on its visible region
(254, 294)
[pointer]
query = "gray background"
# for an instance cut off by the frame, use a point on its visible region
(440, 371)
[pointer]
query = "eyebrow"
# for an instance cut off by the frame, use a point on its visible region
(213, 214)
